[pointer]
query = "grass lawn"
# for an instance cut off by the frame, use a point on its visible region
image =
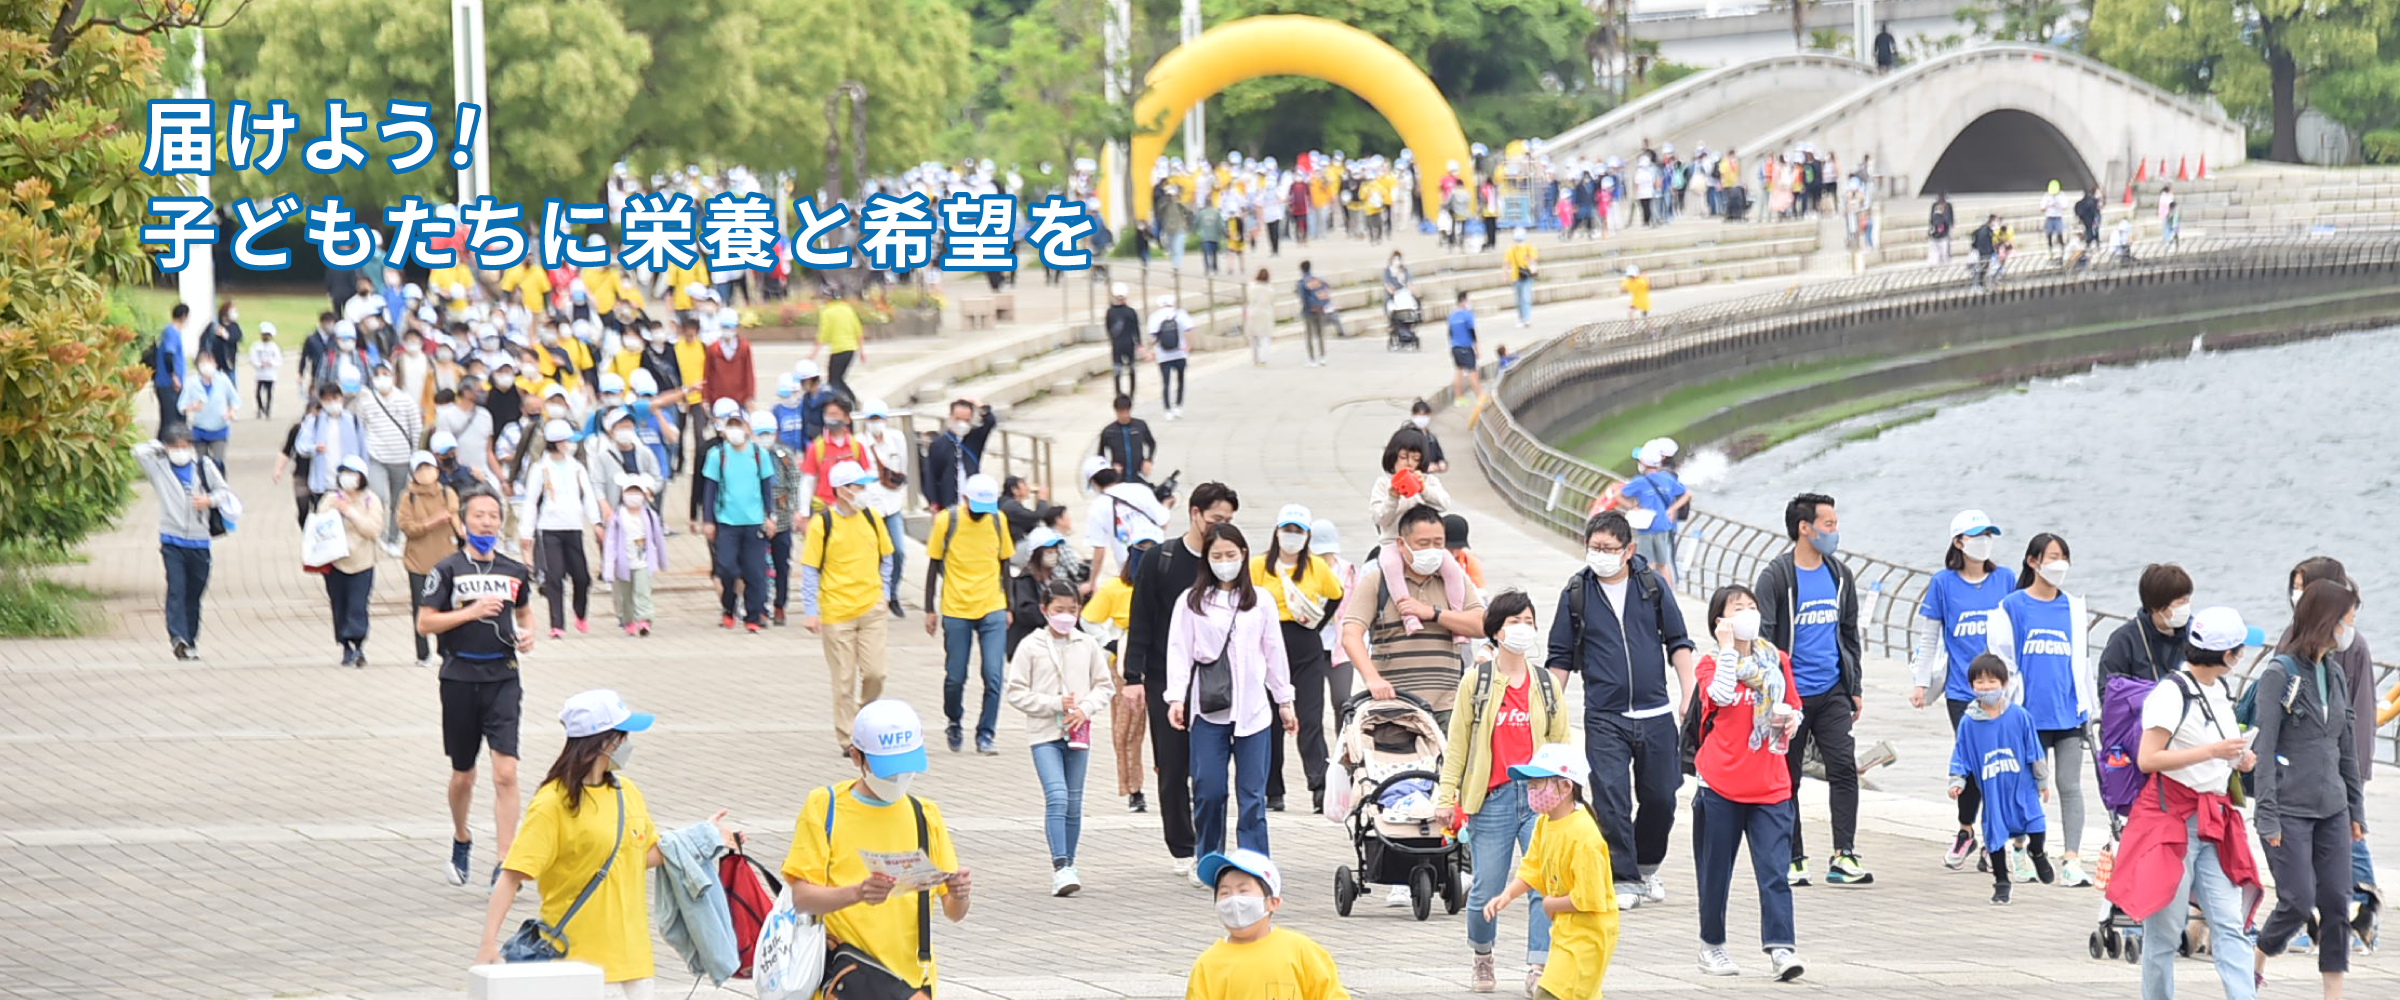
(294, 314)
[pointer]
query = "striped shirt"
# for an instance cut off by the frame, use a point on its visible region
(1425, 663)
(393, 425)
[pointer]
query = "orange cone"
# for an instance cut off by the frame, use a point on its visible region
(2141, 170)
(2204, 166)
(2182, 174)
(2129, 193)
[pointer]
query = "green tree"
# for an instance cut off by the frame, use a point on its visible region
(2259, 58)
(2301, 39)
(1049, 106)
(913, 56)
(2194, 47)
(2015, 20)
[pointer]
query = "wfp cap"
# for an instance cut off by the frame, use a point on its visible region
(763, 421)
(1972, 522)
(1292, 514)
(1042, 537)
(887, 733)
(1555, 760)
(1323, 538)
(554, 389)
(982, 495)
(599, 711)
(2220, 629)
(847, 473)
(1092, 466)
(1243, 860)
(421, 458)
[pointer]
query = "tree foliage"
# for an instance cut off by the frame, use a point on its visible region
(2260, 58)
(913, 57)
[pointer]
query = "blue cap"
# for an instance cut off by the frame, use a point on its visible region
(1243, 860)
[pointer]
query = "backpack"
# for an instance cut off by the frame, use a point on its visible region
(2245, 708)
(825, 524)
(1483, 689)
(1170, 335)
(750, 890)
(1651, 591)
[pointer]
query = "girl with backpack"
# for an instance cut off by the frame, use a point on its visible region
(1509, 709)
(1747, 709)
(1060, 678)
(2310, 800)
(2038, 630)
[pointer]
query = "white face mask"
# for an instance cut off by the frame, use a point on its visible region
(180, 456)
(891, 789)
(2179, 615)
(1291, 542)
(2054, 572)
(383, 383)
(503, 381)
(2343, 637)
(2295, 597)
(1745, 624)
(1519, 637)
(1238, 912)
(620, 755)
(624, 437)
(736, 436)
(960, 427)
(232, 314)
(1604, 564)
(636, 501)
(207, 372)
(333, 407)
(1425, 562)
(1976, 548)
(555, 411)
(1422, 420)
(353, 481)
(1227, 570)
(874, 425)
(727, 345)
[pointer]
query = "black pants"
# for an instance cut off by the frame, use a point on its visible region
(563, 560)
(349, 592)
(1275, 238)
(1970, 800)
(1825, 720)
(695, 431)
(187, 582)
(2034, 848)
(1170, 383)
(265, 394)
(779, 566)
(1124, 372)
(168, 415)
(837, 371)
(1306, 656)
(416, 599)
(1634, 761)
(2312, 871)
(1171, 750)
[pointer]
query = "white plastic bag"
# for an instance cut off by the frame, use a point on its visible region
(789, 961)
(323, 539)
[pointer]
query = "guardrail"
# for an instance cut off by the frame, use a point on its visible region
(1555, 489)
(1006, 453)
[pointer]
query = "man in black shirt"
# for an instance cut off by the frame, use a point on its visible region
(1127, 444)
(1124, 327)
(1163, 577)
(475, 601)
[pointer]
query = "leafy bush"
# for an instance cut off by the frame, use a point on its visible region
(2382, 145)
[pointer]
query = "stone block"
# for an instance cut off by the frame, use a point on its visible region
(534, 981)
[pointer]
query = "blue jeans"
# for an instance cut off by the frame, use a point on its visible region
(2362, 869)
(1525, 300)
(2204, 881)
(1719, 825)
(187, 580)
(959, 637)
(1213, 748)
(895, 530)
(1061, 771)
(1495, 833)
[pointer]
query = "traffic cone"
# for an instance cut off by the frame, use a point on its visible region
(2141, 170)
(2182, 174)
(2129, 194)
(2204, 166)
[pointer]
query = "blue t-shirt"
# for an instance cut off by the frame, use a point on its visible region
(1657, 491)
(791, 426)
(2045, 653)
(743, 477)
(1997, 756)
(1961, 608)
(1816, 632)
(1462, 327)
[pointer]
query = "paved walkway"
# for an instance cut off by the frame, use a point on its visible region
(266, 824)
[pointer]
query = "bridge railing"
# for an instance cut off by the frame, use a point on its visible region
(1556, 490)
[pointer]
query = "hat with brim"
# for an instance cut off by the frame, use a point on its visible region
(1245, 860)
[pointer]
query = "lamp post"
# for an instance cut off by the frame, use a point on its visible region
(196, 284)
(466, 71)
(1195, 121)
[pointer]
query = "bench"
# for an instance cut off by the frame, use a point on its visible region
(976, 313)
(1004, 306)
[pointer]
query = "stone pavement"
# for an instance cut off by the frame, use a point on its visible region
(265, 823)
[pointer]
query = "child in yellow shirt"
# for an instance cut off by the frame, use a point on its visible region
(1567, 865)
(1257, 960)
(1637, 296)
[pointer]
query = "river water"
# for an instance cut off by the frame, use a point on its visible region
(2235, 465)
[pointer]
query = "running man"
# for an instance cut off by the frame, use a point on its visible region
(476, 601)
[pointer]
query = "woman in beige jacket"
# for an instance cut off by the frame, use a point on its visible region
(1059, 677)
(350, 580)
(1258, 316)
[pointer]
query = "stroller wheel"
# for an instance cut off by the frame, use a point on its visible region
(1420, 890)
(2094, 945)
(1454, 892)
(1345, 890)
(2133, 950)
(2114, 941)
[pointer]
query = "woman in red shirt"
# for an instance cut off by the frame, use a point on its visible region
(1745, 788)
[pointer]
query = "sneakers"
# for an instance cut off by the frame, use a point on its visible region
(429, 662)
(1961, 846)
(983, 745)
(1135, 803)
(462, 853)
(349, 655)
(1715, 962)
(1190, 874)
(558, 633)
(2071, 874)
(628, 626)
(1533, 981)
(642, 628)
(2000, 893)
(725, 621)
(583, 625)
(1846, 869)
(779, 622)
(1399, 896)
(183, 650)
(2020, 867)
(2042, 872)
(753, 628)
(1630, 895)
(1481, 980)
(958, 739)
(1798, 876)
(1787, 964)
(1653, 889)
(1064, 881)
(897, 610)
(1274, 803)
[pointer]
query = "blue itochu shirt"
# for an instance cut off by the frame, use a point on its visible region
(1999, 756)
(2045, 655)
(1962, 608)
(1816, 632)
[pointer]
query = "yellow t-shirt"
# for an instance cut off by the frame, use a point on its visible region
(849, 578)
(531, 284)
(681, 278)
(1639, 289)
(691, 361)
(1318, 583)
(1112, 602)
(838, 327)
(561, 850)
(1519, 259)
(1283, 965)
(605, 286)
(1568, 858)
(971, 581)
(886, 931)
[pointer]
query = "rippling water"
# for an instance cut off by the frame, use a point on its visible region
(2235, 465)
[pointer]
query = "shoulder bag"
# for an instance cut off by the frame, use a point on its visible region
(1212, 678)
(536, 941)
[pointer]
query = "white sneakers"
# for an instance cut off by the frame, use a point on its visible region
(1787, 964)
(1631, 895)
(1064, 881)
(1715, 962)
(1399, 897)
(1653, 890)
(1184, 871)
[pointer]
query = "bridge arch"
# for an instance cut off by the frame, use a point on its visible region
(1292, 44)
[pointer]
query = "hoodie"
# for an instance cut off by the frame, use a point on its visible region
(1778, 593)
(178, 523)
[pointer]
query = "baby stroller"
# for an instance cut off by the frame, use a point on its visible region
(1402, 308)
(1392, 752)
(1737, 204)
(2121, 780)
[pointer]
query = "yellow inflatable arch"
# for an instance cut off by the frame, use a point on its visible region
(1305, 46)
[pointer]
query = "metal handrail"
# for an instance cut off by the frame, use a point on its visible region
(1006, 453)
(1555, 489)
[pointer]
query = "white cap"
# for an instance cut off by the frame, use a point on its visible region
(1092, 464)
(1972, 522)
(805, 369)
(599, 711)
(1520, 234)
(874, 406)
(762, 420)
(730, 320)
(887, 733)
(982, 494)
(558, 430)
(1119, 290)
(2220, 629)
(1166, 302)
(699, 291)
(1042, 537)
(786, 384)
(644, 383)
(1648, 455)
(411, 291)
(266, 328)
(1633, 270)
(1324, 538)
(847, 473)
(725, 409)
(637, 481)
(1293, 514)
(554, 390)
(345, 328)
(355, 463)
(1555, 760)
(1666, 446)
(421, 458)
(612, 382)
(615, 415)
(1243, 860)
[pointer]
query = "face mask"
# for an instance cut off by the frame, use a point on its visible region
(232, 314)
(1425, 562)
(837, 427)
(886, 790)
(555, 411)
(180, 456)
(383, 383)
(2342, 637)
(2054, 573)
(2179, 616)
(2295, 597)
(1991, 697)
(208, 371)
(960, 427)
(413, 346)
(1826, 542)
(620, 755)
(333, 408)
(503, 381)
(1546, 796)
(1291, 541)
(736, 436)
(353, 481)
(550, 336)
(1745, 624)
(1976, 548)
(1237, 912)
(874, 426)
(636, 501)
(1226, 570)
(482, 543)
(1063, 624)
(1422, 420)
(491, 345)
(624, 437)
(1604, 564)
(443, 355)
(727, 346)
(1519, 637)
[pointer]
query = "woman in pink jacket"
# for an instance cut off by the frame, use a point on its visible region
(1227, 681)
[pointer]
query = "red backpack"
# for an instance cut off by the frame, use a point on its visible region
(750, 891)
